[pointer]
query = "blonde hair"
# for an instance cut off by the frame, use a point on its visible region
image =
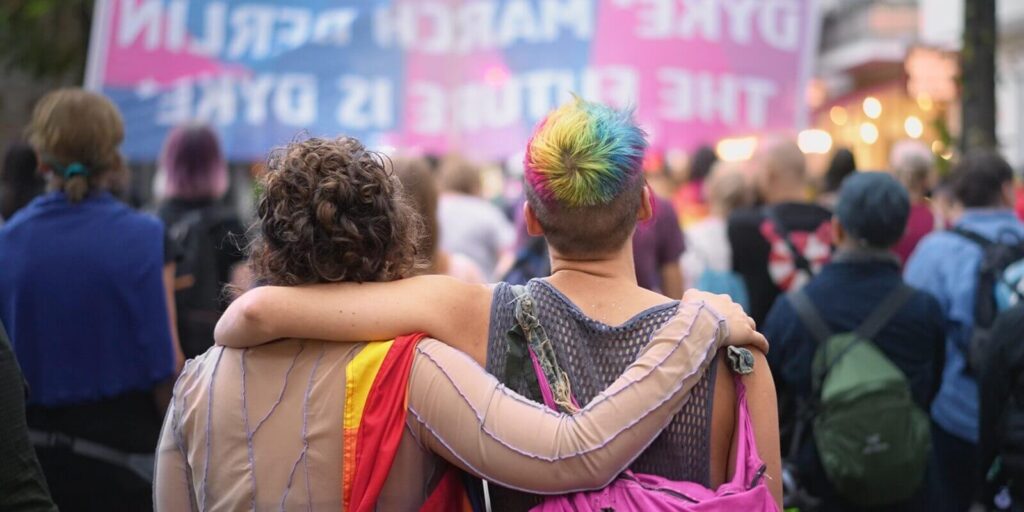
(782, 157)
(726, 188)
(77, 134)
(460, 175)
(912, 163)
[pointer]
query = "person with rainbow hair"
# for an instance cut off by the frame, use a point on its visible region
(585, 194)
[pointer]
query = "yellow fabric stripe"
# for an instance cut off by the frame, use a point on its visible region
(359, 376)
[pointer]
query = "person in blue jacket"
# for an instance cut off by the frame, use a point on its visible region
(946, 265)
(84, 296)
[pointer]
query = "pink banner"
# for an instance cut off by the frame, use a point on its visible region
(436, 76)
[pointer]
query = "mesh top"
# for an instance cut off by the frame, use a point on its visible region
(594, 354)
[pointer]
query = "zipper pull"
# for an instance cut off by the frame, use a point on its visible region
(757, 476)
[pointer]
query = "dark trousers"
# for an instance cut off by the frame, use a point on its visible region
(129, 423)
(80, 484)
(954, 473)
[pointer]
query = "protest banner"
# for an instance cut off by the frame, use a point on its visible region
(434, 76)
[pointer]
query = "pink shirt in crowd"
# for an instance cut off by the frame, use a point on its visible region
(920, 223)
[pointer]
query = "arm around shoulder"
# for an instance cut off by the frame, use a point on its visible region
(445, 308)
(467, 417)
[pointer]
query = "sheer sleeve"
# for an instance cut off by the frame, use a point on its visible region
(466, 416)
(172, 487)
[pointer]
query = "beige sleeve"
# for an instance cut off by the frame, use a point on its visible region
(172, 489)
(463, 414)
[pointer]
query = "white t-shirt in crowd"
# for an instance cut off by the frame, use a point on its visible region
(475, 228)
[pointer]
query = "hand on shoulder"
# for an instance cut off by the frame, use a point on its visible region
(741, 330)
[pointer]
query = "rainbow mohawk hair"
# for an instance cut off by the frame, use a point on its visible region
(584, 154)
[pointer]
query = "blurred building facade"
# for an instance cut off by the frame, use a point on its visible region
(867, 93)
(942, 27)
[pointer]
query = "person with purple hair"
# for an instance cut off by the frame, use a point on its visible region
(192, 177)
(585, 194)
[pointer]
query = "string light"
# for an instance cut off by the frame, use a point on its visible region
(868, 133)
(817, 142)
(737, 149)
(838, 115)
(872, 107)
(914, 127)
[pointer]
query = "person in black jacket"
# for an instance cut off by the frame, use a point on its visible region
(1001, 428)
(206, 231)
(22, 485)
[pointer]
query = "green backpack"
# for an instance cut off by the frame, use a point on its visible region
(872, 439)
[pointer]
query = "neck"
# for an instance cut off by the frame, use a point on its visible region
(616, 266)
(439, 263)
(786, 193)
(849, 252)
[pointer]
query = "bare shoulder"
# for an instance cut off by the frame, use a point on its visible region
(759, 383)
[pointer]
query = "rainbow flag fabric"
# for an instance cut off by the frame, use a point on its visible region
(376, 382)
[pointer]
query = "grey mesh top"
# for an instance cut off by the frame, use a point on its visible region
(594, 354)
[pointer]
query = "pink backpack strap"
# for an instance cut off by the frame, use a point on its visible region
(749, 466)
(542, 383)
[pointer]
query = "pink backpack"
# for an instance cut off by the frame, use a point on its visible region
(638, 492)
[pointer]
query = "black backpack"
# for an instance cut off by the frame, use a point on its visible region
(198, 283)
(996, 276)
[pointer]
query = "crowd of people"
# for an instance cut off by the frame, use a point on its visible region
(188, 359)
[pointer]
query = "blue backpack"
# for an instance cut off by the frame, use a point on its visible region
(725, 282)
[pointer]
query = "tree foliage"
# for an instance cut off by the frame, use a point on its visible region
(45, 38)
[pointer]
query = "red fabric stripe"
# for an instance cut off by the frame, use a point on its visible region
(381, 429)
(383, 420)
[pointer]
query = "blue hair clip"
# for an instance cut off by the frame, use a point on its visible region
(75, 169)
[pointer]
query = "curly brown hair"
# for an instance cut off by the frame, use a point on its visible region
(332, 211)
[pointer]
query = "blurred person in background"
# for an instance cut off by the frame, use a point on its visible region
(469, 224)
(689, 201)
(913, 164)
(947, 264)
(945, 207)
(191, 180)
(707, 261)
(420, 187)
(530, 259)
(1001, 422)
(871, 212)
(20, 181)
(657, 245)
(22, 484)
(87, 297)
(842, 165)
(779, 247)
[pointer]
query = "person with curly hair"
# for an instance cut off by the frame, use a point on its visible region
(585, 195)
(281, 424)
(84, 294)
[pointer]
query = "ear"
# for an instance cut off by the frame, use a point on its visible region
(1009, 194)
(42, 168)
(533, 226)
(838, 233)
(646, 210)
